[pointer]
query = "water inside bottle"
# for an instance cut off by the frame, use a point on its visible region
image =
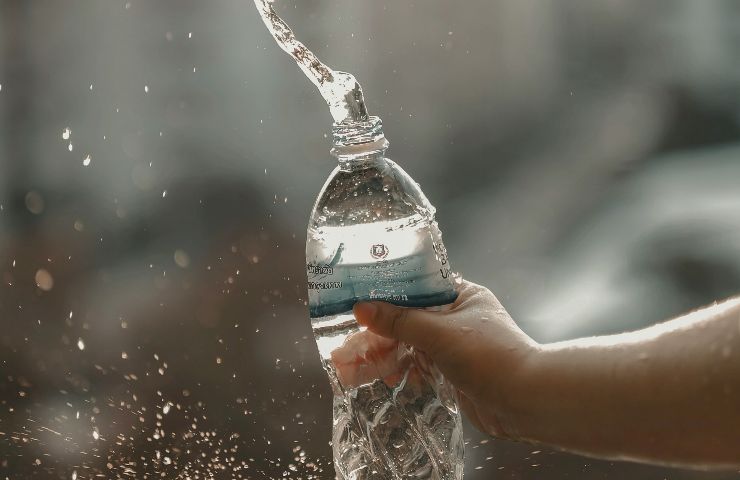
(394, 415)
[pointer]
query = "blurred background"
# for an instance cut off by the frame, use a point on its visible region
(159, 159)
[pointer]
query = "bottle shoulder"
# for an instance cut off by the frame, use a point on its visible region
(375, 191)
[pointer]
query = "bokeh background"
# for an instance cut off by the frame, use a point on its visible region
(159, 159)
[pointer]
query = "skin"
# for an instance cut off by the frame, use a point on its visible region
(365, 356)
(668, 394)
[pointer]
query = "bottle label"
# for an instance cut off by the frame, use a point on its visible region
(373, 270)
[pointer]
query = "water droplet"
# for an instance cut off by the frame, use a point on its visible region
(79, 226)
(34, 202)
(146, 88)
(86, 160)
(66, 133)
(80, 344)
(44, 280)
(74, 474)
(182, 259)
(164, 193)
(70, 147)
(95, 434)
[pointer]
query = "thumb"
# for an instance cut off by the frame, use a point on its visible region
(419, 328)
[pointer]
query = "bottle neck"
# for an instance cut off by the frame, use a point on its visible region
(358, 143)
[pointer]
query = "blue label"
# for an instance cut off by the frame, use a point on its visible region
(422, 279)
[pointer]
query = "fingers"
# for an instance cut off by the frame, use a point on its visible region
(419, 328)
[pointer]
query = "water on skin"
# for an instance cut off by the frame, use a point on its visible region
(341, 90)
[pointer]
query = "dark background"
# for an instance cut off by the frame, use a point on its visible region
(584, 158)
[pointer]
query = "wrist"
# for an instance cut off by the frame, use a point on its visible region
(520, 395)
(558, 396)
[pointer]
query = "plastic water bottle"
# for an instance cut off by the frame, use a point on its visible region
(372, 236)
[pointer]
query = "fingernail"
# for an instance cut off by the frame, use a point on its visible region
(364, 312)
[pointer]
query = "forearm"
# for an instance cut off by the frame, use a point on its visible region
(666, 394)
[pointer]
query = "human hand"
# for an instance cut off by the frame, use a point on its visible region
(475, 344)
(365, 356)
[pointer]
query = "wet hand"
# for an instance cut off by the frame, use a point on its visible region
(475, 344)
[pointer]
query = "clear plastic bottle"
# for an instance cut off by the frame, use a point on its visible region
(372, 236)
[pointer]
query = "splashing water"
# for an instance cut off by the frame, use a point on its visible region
(131, 432)
(341, 90)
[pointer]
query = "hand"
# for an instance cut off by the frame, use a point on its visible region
(365, 356)
(475, 344)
